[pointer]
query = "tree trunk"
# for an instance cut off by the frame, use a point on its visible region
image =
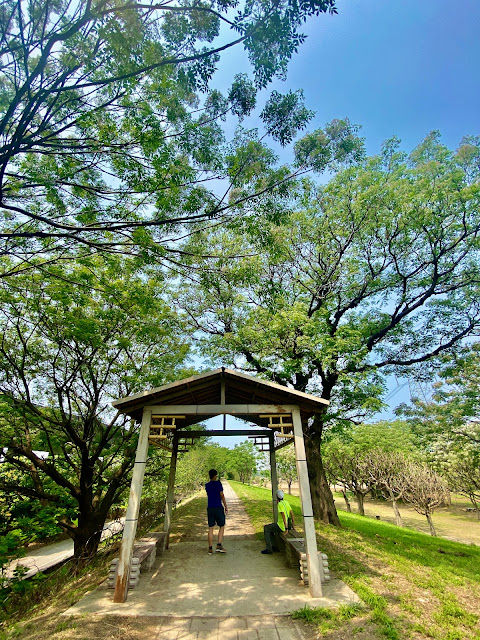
(359, 498)
(347, 501)
(398, 517)
(322, 497)
(87, 538)
(474, 502)
(430, 524)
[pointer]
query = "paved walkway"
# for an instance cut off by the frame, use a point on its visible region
(52, 554)
(195, 595)
(233, 628)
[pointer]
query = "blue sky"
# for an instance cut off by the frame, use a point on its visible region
(396, 67)
(399, 67)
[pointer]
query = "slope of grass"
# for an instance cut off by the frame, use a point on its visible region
(414, 585)
(451, 521)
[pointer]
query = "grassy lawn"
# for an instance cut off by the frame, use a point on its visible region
(413, 585)
(452, 522)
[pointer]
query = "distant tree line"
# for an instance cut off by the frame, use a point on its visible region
(385, 459)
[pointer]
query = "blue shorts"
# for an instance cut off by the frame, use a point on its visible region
(216, 515)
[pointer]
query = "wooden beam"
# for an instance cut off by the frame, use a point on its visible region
(170, 489)
(220, 409)
(284, 444)
(221, 432)
(314, 575)
(158, 445)
(131, 517)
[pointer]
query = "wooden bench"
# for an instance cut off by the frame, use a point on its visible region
(144, 553)
(296, 554)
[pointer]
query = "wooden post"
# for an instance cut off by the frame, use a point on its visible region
(131, 517)
(273, 476)
(314, 575)
(222, 401)
(171, 489)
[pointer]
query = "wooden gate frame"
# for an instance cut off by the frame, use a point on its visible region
(131, 518)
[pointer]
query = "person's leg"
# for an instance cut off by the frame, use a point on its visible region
(268, 530)
(221, 530)
(211, 524)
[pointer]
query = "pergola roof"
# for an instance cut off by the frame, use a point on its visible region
(206, 389)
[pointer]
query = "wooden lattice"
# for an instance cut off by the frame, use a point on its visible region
(162, 429)
(261, 442)
(282, 423)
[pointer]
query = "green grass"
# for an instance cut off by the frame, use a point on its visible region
(328, 619)
(412, 584)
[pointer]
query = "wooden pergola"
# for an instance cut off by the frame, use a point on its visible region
(166, 412)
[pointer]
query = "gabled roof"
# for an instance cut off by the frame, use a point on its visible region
(205, 389)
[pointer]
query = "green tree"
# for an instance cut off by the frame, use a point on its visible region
(243, 459)
(65, 354)
(426, 490)
(452, 416)
(105, 140)
(448, 425)
(386, 435)
(374, 273)
(348, 466)
(193, 466)
(390, 473)
(287, 466)
(372, 457)
(462, 472)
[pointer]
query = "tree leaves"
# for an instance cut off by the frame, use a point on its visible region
(71, 342)
(102, 125)
(285, 115)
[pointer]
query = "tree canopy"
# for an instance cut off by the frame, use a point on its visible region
(448, 424)
(109, 132)
(375, 272)
(65, 354)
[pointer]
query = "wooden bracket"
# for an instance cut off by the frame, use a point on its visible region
(262, 442)
(161, 429)
(281, 422)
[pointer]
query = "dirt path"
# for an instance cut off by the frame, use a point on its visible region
(237, 527)
(190, 594)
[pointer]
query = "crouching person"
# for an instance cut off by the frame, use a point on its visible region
(285, 514)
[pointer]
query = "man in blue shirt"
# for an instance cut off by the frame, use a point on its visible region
(215, 511)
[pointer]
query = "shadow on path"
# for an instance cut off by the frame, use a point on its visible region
(187, 582)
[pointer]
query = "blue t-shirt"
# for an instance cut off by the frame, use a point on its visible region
(213, 489)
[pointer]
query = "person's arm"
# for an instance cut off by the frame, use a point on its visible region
(224, 501)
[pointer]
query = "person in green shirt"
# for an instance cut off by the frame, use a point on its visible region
(284, 513)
